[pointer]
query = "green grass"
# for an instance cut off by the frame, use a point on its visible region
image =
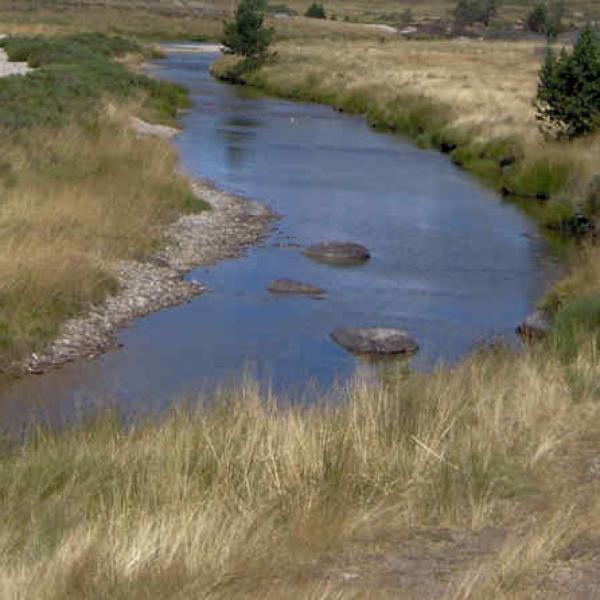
(75, 73)
(576, 321)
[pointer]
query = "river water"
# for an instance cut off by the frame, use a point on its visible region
(452, 262)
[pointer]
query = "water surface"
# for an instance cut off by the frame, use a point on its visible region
(452, 263)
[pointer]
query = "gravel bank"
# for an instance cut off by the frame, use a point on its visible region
(193, 240)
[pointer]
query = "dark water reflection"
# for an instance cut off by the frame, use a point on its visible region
(451, 262)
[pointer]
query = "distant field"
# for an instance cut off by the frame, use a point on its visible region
(183, 18)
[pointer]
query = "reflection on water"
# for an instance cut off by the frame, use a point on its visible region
(451, 262)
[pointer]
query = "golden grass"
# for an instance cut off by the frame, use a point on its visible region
(172, 18)
(74, 202)
(118, 18)
(241, 498)
(469, 78)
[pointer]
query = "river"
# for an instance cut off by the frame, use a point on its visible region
(452, 262)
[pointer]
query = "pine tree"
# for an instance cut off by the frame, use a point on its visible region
(568, 99)
(247, 35)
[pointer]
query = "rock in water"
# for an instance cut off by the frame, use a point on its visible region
(536, 326)
(288, 286)
(376, 340)
(338, 253)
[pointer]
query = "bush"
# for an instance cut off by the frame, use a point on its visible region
(537, 18)
(246, 35)
(469, 12)
(544, 19)
(316, 11)
(568, 99)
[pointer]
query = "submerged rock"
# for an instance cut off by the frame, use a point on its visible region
(536, 326)
(338, 253)
(289, 286)
(374, 340)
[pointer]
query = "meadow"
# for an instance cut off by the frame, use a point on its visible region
(478, 480)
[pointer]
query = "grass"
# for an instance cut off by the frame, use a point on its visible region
(73, 74)
(152, 19)
(241, 497)
(452, 95)
(79, 190)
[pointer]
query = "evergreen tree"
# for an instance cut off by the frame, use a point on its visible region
(316, 11)
(247, 35)
(568, 99)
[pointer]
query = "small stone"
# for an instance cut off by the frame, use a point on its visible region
(289, 286)
(338, 253)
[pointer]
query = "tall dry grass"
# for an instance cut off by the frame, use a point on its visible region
(242, 498)
(74, 201)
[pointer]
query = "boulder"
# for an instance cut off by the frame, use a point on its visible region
(536, 326)
(338, 253)
(289, 286)
(374, 340)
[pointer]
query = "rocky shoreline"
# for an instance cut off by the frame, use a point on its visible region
(193, 240)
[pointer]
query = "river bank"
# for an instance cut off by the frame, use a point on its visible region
(99, 226)
(484, 474)
(223, 232)
(453, 96)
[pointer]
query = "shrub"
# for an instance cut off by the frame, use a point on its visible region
(545, 19)
(537, 18)
(568, 99)
(316, 11)
(246, 35)
(469, 12)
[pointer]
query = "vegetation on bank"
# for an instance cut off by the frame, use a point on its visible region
(568, 100)
(73, 74)
(242, 496)
(246, 35)
(456, 97)
(79, 190)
